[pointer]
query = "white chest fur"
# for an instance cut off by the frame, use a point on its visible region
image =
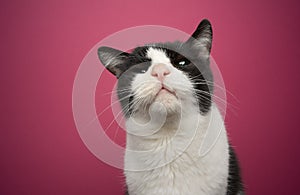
(172, 165)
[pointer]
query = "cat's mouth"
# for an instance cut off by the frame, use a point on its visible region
(166, 90)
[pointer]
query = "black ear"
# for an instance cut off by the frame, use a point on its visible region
(202, 38)
(113, 60)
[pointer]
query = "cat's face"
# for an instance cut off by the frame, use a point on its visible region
(174, 75)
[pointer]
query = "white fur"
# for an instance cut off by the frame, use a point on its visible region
(165, 136)
(157, 56)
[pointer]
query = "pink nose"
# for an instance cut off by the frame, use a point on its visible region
(160, 71)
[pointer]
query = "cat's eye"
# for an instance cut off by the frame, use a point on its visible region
(182, 62)
(143, 71)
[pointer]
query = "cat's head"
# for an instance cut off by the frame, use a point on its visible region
(176, 75)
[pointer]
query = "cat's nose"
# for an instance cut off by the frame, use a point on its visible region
(160, 71)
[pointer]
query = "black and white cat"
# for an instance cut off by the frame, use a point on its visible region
(165, 90)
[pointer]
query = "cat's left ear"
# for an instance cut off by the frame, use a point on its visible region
(201, 39)
(113, 60)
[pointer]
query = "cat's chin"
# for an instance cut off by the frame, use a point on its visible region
(167, 101)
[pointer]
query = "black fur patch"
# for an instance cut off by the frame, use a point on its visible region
(235, 185)
(137, 64)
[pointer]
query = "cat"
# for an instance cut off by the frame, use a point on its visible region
(166, 94)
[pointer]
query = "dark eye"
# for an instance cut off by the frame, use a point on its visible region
(182, 62)
(140, 67)
(139, 70)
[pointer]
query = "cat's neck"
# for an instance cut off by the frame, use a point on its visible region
(167, 141)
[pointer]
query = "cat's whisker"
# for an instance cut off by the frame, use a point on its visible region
(201, 91)
(117, 91)
(117, 130)
(106, 108)
(229, 106)
(211, 83)
(208, 93)
(221, 108)
(112, 121)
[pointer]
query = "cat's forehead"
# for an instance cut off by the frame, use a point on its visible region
(157, 55)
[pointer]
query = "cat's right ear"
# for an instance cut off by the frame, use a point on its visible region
(201, 39)
(113, 60)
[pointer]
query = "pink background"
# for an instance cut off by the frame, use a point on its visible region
(43, 43)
